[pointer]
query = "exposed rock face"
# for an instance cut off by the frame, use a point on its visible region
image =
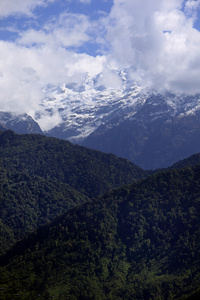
(19, 123)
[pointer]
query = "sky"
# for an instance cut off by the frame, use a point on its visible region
(51, 42)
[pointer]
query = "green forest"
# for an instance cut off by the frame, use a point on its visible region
(41, 178)
(80, 224)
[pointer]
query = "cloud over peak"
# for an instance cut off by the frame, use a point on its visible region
(159, 40)
(63, 40)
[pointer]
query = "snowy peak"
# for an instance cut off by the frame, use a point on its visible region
(149, 128)
(19, 123)
(74, 110)
(111, 113)
(82, 108)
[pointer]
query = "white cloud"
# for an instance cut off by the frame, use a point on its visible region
(12, 7)
(156, 37)
(159, 40)
(39, 58)
(24, 72)
(192, 5)
(48, 120)
(85, 1)
(69, 30)
(109, 78)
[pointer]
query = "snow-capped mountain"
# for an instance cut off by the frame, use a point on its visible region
(164, 130)
(151, 129)
(113, 114)
(81, 108)
(20, 123)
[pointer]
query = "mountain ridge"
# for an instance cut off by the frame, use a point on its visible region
(151, 129)
(113, 248)
(43, 177)
(19, 123)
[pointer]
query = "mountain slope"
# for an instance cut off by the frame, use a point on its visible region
(156, 136)
(136, 242)
(88, 171)
(42, 178)
(2, 127)
(152, 129)
(19, 123)
(188, 162)
(27, 202)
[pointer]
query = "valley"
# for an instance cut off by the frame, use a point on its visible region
(81, 224)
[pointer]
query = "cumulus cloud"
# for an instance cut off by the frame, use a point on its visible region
(26, 71)
(109, 78)
(38, 58)
(159, 40)
(69, 30)
(156, 39)
(12, 7)
(192, 5)
(48, 120)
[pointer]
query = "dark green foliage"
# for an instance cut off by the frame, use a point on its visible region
(41, 178)
(188, 162)
(27, 202)
(88, 171)
(136, 242)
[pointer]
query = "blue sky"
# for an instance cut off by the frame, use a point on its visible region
(11, 26)
(46, 42)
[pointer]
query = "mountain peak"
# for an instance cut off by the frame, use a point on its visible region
(19, 123)
(111, 113)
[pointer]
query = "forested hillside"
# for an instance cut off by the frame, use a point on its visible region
(136, 242)
(41, 178)
(27, 202)
(88, 171)
(188, 162)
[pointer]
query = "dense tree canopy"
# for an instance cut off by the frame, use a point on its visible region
(136, 242)
(41, 178)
